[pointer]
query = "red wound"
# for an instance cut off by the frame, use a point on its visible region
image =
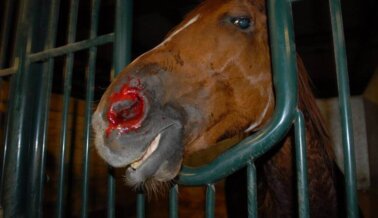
(126, 110)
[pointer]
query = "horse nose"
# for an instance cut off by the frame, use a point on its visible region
(127, 109)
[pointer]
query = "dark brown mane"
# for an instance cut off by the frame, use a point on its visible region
(311, 112)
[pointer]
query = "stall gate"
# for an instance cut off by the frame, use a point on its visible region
(23, 159)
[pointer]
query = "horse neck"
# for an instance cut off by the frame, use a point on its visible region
(316, 131)
(279, 168)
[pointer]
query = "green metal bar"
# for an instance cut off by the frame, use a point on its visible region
(173, 202)
(111, 192)
(284, 69)
(121, 57)
(73, 47)
(252, 190)
(17, 147)
(72, 24)
(38, 149)
(123, 34)
(88, 107)
(301, 163)
(344, 105)
(5, 147)
(210, 201)
(140, 202)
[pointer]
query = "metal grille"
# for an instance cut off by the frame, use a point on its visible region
(22, 177)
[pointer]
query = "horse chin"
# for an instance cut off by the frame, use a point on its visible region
(160, 162)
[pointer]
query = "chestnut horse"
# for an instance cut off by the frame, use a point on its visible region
(210, 80)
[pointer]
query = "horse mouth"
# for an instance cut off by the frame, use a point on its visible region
(148, 152)
(151, 152)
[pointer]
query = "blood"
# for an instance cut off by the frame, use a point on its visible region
(131, 116)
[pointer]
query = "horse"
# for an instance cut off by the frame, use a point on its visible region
(211, 80)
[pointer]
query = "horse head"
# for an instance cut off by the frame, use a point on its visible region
(210, 79)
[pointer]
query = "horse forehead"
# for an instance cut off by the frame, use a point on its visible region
(182, 27)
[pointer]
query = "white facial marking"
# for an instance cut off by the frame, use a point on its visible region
(253, 79)
(191, 21)
(186, 25)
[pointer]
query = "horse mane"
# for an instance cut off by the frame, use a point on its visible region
(315, 124)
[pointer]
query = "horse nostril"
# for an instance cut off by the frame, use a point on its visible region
(127, 110)
(124, 110)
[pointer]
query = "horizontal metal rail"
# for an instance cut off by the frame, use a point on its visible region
(72, 47)
(10, 70)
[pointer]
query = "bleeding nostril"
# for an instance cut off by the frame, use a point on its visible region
(127, 109)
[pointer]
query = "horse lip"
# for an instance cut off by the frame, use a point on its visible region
(152, 147)
(148, 152)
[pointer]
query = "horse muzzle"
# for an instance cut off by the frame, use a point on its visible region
(133, 130)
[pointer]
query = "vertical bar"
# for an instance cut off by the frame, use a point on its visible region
(140, 205)
(123, 34)
(88, 107)
(121, 56)
(111, 193)
(15, 167)
(210, 201)
(37, 157)
(66, 101)
(6, 141)
(173, 202)
(344, 106)
(252, 190)
(301, 163)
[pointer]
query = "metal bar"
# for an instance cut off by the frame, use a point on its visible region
(6, 31)
(344, 105)
(284, 69)
(111, 193)
(301, 163)
(173, 202)
(123, 34)
(11, 70)
(210, 201)
(252, 190)
(121, 56)
(8, 71)
(17, 146)
(5, 147)
(88, 107)
(140, 202)
(38, 149)
(73, 47)
(72, 24)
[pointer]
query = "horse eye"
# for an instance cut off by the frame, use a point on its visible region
(241, 22)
